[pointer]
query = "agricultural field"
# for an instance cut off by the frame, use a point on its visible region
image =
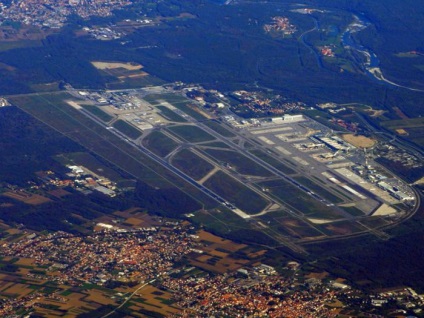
(236, 193)
(222, 255)
(191, 164)
(412, 128)
(191, 133)
(159, 143)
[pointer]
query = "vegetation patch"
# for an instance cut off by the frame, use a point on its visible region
(128, 130)
(191, 134)
(216, 144)
(318, 189)
(191, 164)
(272, 161)
(159, 143)
(96, 111)
(235, 192)
(239, 162)
(299, 200)
(219, 128)
(170, 115)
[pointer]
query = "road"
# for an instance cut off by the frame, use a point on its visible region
(393, 139)
(310, 47)
(129, 298)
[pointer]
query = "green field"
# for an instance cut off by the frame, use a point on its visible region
(134, 82)
(170, 98)
(318, 189)
(404, 123)
(273, 162)
(216, 144)
(127, 129)
(353, 210)
(299, 200)
(190, 110)
(98, 113)
(239, 162)
(236, 193)
(219, 128)
(191, 164)
(170, 115)
(191, 134)
(159, 143)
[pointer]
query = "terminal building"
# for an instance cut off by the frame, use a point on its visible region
(287, 118)
(397, 194)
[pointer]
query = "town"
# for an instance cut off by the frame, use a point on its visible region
(54, 14)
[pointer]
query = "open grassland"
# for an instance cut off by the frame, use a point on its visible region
(26, 197)
(302, 202)
(342, 228)
(191, 110)
(318, 189)
(127, 129)
(170, 98)
(170, 115)
(215, 144)
(52, 110)
(179, 102)
(191, 164)
(235, 192)
(219, 128)
(159, 143)
(272, 161)
(404, 123)
(352, 210)
(191, 134)
(359, 141)
(113, 65)
(125, 82)
(239, 162)
(96, 111)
